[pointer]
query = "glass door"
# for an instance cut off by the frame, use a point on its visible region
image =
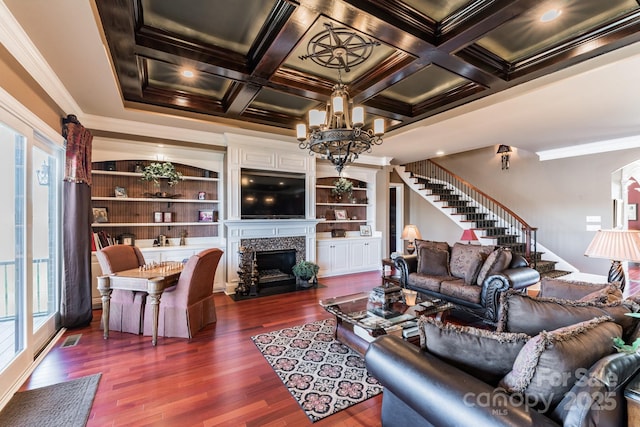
(46, 271)
(12, 247)
(30, 248)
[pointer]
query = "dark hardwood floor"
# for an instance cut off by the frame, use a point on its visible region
(217, 379)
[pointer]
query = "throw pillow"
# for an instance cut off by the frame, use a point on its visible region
(433, 261)
(529, 315)
(429, 245)
(482, 353)
(550, 363)
(497, 261)
(466, 261)
(609, 294)
(568, 289)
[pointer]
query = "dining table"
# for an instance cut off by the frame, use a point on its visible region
(153, 280)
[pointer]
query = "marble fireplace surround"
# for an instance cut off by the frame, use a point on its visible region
(268, 234)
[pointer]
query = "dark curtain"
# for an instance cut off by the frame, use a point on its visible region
(75, 309)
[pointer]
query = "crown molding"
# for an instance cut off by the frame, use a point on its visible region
(130, 127)
(20, 46)
(591, 148)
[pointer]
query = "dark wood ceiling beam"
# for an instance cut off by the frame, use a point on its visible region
(181, 100)
(117, 18)
(464, 28)
(284, 40)
(240, 97)
(152, 39)
(400, 15)
(277, 19)
(623, 31)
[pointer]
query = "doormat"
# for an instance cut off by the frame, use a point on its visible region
(66, 404)
(323, 375)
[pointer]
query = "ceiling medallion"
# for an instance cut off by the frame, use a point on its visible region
(336, 133)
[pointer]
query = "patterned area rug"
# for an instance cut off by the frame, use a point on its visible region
(66, 404)
(322, 374)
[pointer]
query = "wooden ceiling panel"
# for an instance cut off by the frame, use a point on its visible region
(433, 55)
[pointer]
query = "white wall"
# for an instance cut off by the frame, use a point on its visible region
(554, 195)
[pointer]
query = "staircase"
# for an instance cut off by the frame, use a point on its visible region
(471, 208)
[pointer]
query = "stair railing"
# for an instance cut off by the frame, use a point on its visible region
(524, 234)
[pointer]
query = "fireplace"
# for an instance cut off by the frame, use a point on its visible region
(274, 267)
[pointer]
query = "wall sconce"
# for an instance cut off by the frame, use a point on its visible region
(411, 233)
(43, 174)
(504, 150)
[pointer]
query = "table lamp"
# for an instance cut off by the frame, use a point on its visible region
(618, 246)
(468, 235)
(411, 233)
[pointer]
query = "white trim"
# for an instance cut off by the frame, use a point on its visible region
(21, 380)
(591, 148)
(18, 43)
(151, 130)
(22, 113)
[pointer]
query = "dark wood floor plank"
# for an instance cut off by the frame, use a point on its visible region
(219, 378)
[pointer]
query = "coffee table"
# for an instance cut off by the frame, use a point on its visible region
(359, 320)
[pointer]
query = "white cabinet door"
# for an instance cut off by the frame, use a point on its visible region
(341, 257)
(358, 254)
(374, 253)
(333, 257)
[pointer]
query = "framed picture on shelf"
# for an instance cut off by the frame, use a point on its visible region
(202, 195)
(168, 217)
(632, 211)
(121, 192)
(365, 230)
(100, 215)
(341, 214)
(205, 216)
(128, 239)
(158, 217)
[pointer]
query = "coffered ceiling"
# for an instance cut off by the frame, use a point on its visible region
(432, 55)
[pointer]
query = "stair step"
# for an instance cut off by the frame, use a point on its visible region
(454, 203)
(554, 273)
(449, 197)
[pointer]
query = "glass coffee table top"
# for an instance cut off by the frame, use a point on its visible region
(358, 309)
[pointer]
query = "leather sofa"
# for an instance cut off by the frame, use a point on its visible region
(446, 381)
(471, 276)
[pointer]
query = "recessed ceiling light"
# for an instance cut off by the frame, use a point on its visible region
(440, 153)
(187, 73)
(550, 15)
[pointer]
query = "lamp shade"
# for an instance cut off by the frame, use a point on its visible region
(468, 235)
(410, 232)
(503, 149)
(616, 245)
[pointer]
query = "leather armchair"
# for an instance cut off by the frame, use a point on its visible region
(127, 307)
(189, 306)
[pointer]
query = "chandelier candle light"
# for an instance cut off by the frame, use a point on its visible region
(337, 133)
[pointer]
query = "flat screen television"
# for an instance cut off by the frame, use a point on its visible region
(271, 194)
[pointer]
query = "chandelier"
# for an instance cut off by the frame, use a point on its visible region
(337, 133)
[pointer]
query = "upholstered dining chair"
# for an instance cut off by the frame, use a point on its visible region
(189, 306)
(127, 307)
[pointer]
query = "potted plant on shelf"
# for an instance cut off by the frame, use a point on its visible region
(342, 186)
(305, 272)
(155, 171)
